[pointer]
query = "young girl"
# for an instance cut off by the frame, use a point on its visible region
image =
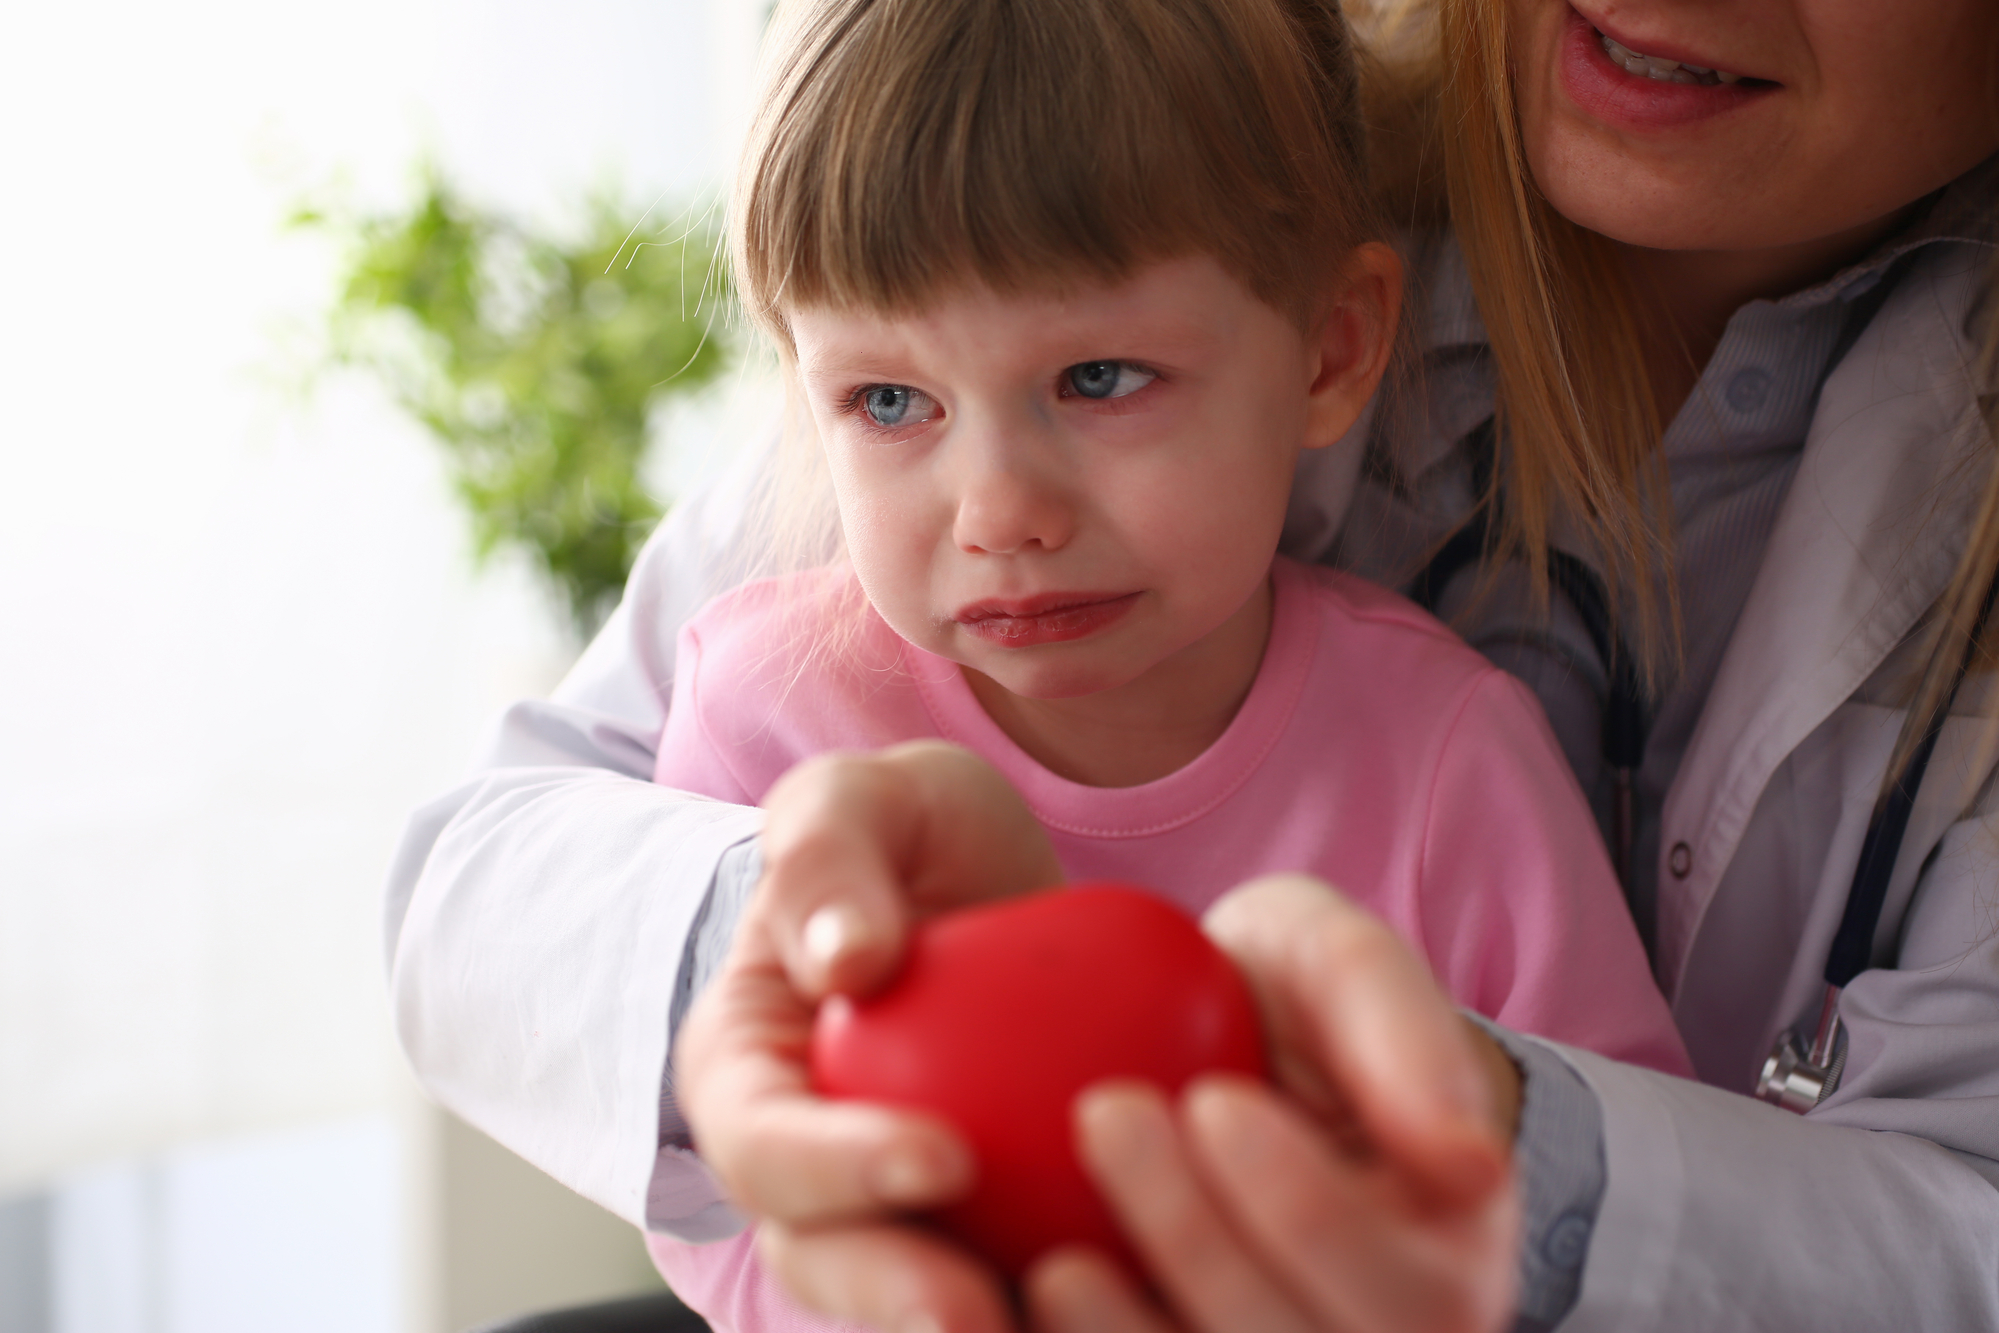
(1063, 323)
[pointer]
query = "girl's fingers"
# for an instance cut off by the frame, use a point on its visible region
(1345, 999)
(830, 899)
(892, 1278)
(1343, 1233)
(1127, 1138)
(857, 844)
(975, 838)
(1080, 1291)
(854, 847)
(781, 1151)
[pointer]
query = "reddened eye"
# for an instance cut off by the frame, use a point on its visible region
(1107, 379)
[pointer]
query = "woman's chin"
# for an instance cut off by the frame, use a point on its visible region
(1654, 202)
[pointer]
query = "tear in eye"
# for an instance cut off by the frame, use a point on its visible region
(897, 405)
(1108, 379)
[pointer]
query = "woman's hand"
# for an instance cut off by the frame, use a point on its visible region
(1377, 1197)
(855, 849)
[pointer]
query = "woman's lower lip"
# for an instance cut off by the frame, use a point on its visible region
(1059, 625)
(1623, 100)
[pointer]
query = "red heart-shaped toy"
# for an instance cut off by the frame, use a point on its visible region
(1003, 1013)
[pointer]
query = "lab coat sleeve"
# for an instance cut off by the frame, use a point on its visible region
(1877, 1211)
(540, 917)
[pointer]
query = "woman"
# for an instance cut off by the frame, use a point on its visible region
(1765, 225)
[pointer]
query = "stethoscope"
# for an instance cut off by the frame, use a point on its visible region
(1797, 1074)
(1627, 718)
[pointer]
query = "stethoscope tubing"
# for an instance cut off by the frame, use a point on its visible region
(1796, 1076)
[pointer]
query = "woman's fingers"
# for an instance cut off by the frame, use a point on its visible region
(1127, 1137)
(1080, 1291)
(1344, 1232)
(782, 1152)
(1348, 1008)
(893, 1278)
(1252, 1220)
(800, 1159)
(856, 844)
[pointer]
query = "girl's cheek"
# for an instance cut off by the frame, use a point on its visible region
(888, 537)
(864, 482)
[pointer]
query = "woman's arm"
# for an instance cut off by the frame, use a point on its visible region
(1876, 1211)
(541, 917)
(1721, 1212)
(1716, 1211)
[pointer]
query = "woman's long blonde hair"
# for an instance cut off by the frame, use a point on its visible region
(1580, 427)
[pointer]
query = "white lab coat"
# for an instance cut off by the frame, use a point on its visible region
(1879, 1211)
(537, 916)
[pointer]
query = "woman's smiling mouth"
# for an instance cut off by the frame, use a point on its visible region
(1639, 89)
(1055, 617)
(1660, 68)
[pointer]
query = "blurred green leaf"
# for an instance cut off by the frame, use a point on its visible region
(537, 362)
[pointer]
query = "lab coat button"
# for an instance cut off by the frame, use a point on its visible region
(1747, 389)
(1567, 1242)
(1680, 860)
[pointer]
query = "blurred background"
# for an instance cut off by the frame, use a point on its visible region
(253, 455)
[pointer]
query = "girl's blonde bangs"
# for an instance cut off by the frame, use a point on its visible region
(908, 146)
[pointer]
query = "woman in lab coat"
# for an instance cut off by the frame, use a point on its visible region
(1828, 475)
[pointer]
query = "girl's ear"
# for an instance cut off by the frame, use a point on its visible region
(1352, 343)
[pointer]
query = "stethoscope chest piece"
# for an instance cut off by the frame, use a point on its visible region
(1797, 1077)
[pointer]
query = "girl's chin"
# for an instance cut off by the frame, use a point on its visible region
(1048, 680)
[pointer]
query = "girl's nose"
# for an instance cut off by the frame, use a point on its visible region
(1009, 501)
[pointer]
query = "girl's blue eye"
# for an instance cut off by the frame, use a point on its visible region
(897, 405)
(887, 404)
(1108, 379)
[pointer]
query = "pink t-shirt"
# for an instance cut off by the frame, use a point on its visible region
(1375, 750)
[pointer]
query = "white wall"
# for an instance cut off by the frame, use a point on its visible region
(240, 633)
(263, 1233)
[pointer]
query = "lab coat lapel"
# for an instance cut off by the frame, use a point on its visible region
(1865, 542)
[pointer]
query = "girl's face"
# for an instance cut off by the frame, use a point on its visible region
(1062, 492)
(1800, 121)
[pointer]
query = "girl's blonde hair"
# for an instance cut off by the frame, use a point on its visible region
(906, 147)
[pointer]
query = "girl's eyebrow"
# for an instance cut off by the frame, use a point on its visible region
(1149, 332)
(1147, 336)
(1163, 339)
(846, 363)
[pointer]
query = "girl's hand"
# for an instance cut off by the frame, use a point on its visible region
(1377, 1197)
(855, 849)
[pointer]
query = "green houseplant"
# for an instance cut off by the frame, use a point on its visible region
(537, 362)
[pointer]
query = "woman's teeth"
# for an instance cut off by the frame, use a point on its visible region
(1657, 67)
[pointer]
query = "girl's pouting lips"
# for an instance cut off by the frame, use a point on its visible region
(1055, 617)
(1636, 89)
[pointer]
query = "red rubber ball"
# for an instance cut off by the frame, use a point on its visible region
(1003, 1013)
